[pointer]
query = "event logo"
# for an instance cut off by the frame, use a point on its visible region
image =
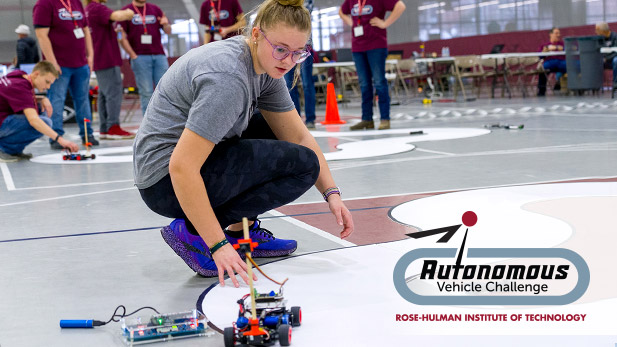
(368, 9)
(65, 15)
(224, 14)
(150, 19)
(519, 281)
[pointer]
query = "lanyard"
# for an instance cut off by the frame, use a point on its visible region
(360, 8)
(68, 7)
(217, 13)
(143, 18)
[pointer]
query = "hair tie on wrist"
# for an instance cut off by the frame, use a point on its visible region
(218, 245)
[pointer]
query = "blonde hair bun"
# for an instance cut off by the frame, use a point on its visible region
(297, 3)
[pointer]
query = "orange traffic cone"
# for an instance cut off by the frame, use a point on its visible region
(332, 116)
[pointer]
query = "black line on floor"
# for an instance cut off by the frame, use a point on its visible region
(151, 228)
(83, 234)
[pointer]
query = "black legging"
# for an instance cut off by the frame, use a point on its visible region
(245, 176)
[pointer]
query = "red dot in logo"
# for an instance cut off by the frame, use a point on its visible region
(470, 218)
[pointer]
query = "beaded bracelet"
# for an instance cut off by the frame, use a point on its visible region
(218, 245)
(330, 191)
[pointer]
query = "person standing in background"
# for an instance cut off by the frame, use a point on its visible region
(222, 18)
(107, 63)
(141, 39)
(62, 30)
(369, 46)
(27, 50)
(308, 85)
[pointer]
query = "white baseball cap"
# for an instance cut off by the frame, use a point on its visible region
(23, 29)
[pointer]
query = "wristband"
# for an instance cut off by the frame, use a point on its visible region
(218, 245)
(330, 191)
(57, 137)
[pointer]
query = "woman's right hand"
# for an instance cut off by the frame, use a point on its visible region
(228, 260)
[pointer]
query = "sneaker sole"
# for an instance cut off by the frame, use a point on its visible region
(271, 254)
(175, 244)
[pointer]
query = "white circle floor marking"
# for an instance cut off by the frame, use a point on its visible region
(102, 157)
(392, 145)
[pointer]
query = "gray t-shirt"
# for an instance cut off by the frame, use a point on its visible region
(211, 90)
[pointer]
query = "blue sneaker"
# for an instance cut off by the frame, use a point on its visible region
(269, 246)
(191, 248)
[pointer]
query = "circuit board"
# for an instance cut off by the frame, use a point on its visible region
(164, 327)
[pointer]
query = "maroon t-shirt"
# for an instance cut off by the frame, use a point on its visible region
(104, 37)
(373, 37)
(224, 14)
(68, 49)
(135, 28)
(555, 57)
(16, 94)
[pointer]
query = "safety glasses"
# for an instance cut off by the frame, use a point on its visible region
(280, 52)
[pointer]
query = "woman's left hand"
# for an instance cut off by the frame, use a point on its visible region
(378, 22)
(342, 214)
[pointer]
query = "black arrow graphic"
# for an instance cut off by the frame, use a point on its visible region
(448, 230)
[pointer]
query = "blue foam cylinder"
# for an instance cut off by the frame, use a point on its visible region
(242, 322)
(76, 323)
(271, 321)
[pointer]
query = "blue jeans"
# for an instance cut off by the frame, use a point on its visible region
(371, 68)
(554, 65)
(148, 70)
(308, 85)
(16, 133)
(76, 81)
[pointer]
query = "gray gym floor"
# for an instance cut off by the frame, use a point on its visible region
(76, 240)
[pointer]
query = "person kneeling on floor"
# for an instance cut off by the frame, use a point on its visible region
(203, 156)
(20, 122)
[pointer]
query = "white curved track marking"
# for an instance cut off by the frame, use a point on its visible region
(500, 209)
(392, 145)
(102, 157)
(348, 297)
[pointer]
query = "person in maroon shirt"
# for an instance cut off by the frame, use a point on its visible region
(20, 122)
(107, 63)
(369, 47)
(64, 37)
(222, 18)
(556, 64)
(141, 39)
